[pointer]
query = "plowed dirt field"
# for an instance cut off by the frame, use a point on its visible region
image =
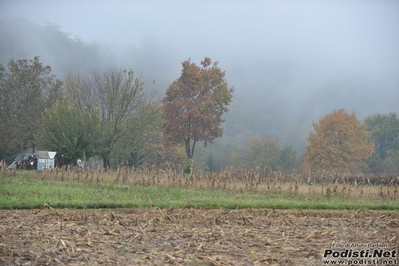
(188, 236)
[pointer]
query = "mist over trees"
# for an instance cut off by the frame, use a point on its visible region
(22, 39)
(274, 100)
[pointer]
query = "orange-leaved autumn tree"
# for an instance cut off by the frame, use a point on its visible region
(339, 142)
(194, 105)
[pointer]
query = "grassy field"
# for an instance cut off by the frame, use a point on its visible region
(226, 189)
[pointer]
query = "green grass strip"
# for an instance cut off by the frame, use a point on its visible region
(27, 193)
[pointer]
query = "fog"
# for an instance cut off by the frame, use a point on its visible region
(293, 59)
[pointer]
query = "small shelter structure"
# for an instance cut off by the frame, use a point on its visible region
(45, 160)
(40, 160)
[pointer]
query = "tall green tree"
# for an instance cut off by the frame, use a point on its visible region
(73, 134)
(384, 129)
(117, 95)
(194, 105)
(339, 142)
(26, 89)
(287, 161)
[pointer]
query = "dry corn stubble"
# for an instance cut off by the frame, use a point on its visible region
(183, 236)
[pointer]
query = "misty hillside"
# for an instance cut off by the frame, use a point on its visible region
(247, 116)
(22, 39)
(283, 79)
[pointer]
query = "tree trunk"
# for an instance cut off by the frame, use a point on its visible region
(137, 163)
(106, 160)
(189, 149)
(187, 142)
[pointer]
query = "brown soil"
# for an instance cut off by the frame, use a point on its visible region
(186, 236)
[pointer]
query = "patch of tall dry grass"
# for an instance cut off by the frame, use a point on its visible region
(243, 180)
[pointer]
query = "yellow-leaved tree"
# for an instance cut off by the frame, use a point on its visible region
(339, 142)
